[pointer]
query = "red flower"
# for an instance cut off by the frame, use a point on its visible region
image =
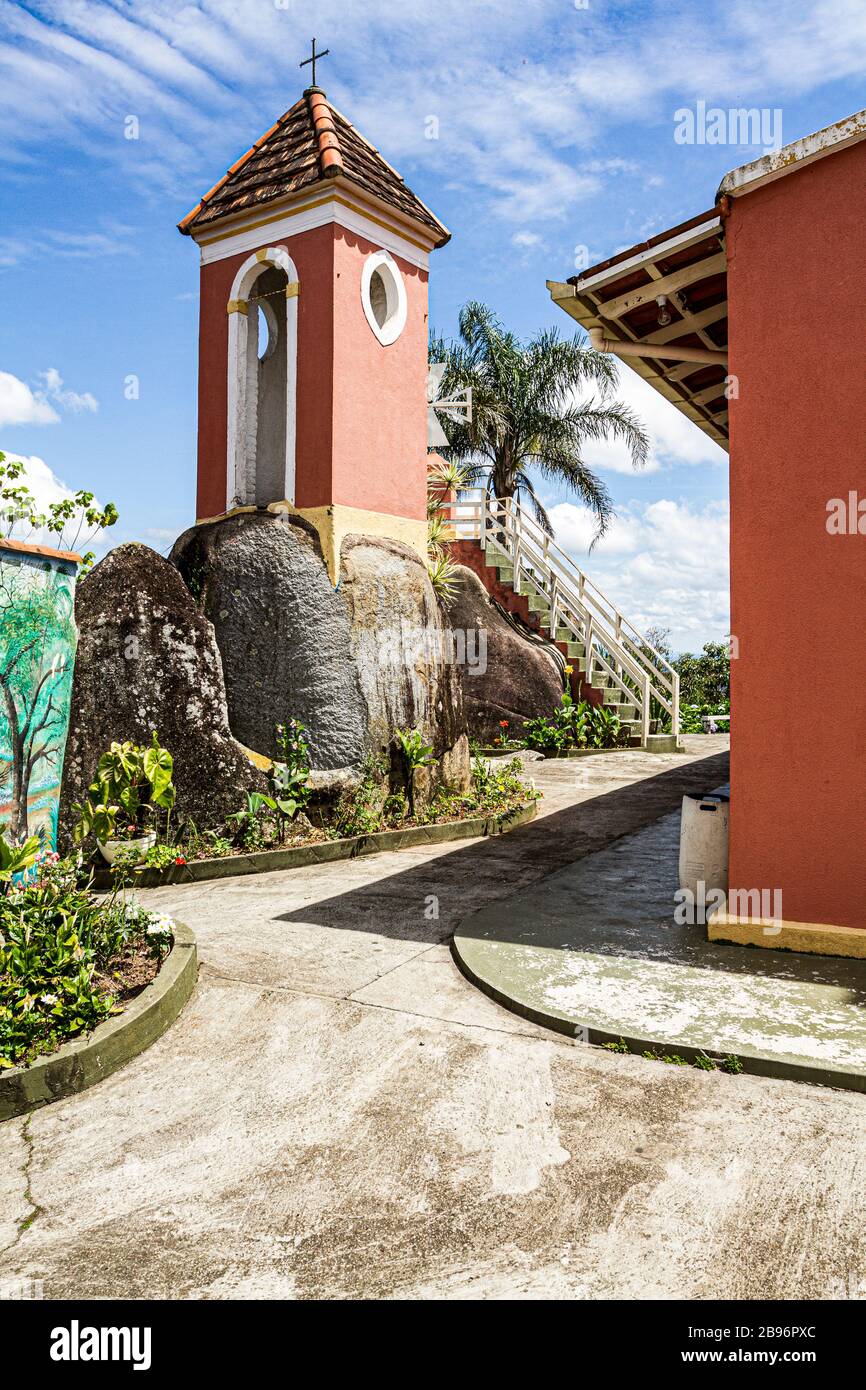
(503, 723)
(180, 859)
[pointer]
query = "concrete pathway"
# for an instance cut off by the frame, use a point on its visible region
(339, 1114)
(595, 946)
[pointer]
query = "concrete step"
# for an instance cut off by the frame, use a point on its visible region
(662, 743)
(625, 713)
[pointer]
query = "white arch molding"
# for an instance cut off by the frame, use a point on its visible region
(243, 379)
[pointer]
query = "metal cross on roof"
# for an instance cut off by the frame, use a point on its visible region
(313, 58)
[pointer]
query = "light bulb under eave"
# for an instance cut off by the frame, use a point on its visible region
(664, 312)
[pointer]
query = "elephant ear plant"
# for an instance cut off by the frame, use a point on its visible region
(131, 783)
(413, 753)
(269, 815)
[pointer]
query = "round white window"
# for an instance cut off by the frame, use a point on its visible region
(383, 296)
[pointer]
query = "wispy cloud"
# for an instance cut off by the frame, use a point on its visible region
(115, 240)
(522, 130)
(53, 389)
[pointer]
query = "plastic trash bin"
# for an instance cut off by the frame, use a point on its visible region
(704, 842)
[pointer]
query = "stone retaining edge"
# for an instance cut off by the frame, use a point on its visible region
(328, 851)
(83, 1061)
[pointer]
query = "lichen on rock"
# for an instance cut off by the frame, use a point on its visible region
(148, 660)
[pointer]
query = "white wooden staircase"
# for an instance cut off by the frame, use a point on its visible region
(635, 681)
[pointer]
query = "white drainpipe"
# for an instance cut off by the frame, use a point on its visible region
(598, 341)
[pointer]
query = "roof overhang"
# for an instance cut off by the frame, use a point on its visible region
(680, 278)
(670, 292)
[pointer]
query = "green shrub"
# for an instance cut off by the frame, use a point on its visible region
(59, 948)
(692, 717)
(574, 725)
(361, 811)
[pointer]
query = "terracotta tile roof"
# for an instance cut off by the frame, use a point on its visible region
(311, 142)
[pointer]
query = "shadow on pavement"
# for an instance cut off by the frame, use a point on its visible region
(506, 864)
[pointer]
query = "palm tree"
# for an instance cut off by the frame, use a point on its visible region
(526, 412)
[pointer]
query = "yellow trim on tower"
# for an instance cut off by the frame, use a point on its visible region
(334, 523)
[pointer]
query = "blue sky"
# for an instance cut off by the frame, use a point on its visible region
(555, 130)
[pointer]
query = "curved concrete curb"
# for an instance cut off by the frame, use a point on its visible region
(86, 1060)
(327, 851)
(754, 1063)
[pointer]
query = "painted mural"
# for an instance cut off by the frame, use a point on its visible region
(37, 654)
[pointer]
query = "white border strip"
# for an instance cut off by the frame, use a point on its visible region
(239, 331)
(676, 243)
(304, 219)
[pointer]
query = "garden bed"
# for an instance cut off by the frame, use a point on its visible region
(89, 1058)
(327, 851)
(577, 752)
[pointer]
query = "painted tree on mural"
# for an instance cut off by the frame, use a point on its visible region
(37, 643)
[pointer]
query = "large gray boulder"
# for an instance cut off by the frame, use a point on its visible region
(522, 676)
(282, 630)
(352, 663)
(401, 646)
(148, 660)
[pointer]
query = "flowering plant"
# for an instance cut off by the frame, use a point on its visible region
(61, 953)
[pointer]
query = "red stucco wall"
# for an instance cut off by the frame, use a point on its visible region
(361, 407)
(797, 333)
(380, 404)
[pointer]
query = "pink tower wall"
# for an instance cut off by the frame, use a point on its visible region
(361, 408)
(796, 291)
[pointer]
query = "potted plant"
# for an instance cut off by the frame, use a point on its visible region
(131, 782)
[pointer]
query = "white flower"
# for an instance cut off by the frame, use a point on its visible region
(160, 926)
(49, 999)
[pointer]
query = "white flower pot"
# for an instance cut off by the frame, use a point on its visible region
(110, 849)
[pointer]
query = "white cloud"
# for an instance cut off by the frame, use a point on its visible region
(575, 527)
(70, 400)
(524, 130)
(46, 489)
(664, 564)
(19, 405)
(673, 438)
(39, 478)
(525, 239)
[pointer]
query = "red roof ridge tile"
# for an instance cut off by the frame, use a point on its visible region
(330, 155)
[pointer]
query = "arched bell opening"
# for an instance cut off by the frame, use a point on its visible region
(262, 376)
(266, 388)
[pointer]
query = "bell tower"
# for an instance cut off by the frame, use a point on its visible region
(313, 333)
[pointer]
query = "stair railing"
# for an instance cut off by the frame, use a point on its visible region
(574, 600)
